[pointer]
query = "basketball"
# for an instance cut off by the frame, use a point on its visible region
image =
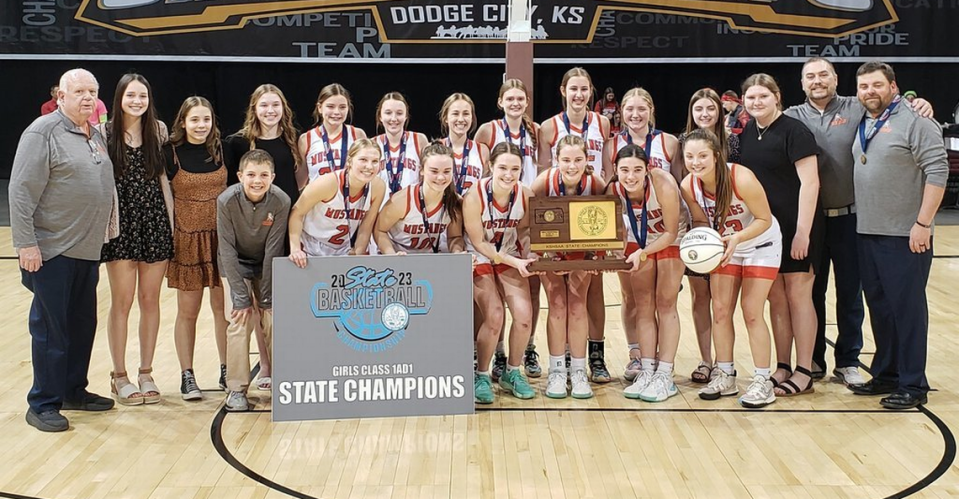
(701, 250)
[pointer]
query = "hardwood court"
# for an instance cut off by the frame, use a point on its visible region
(824, 445)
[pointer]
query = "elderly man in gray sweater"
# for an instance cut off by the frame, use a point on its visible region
(61, 196)
(900, 175)
(251, 220)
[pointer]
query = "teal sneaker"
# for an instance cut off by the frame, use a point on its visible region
(482, 389)
(515, 383)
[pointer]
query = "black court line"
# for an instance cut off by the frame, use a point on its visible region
(948, 457)
(944, 256)
(948, 452)
(17, 496)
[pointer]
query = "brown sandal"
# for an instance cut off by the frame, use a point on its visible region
(701, 373)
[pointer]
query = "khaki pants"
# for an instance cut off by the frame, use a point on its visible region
(238, 349)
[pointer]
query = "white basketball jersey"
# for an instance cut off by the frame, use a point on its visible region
(411, 235)
(318, 156)
(587, 184)
(739, 216)
(593, 136)
(329, 226)
(463, 180)
(402, 175)
(500, 222)
(529, 171)
(657, 155)
(655, 224)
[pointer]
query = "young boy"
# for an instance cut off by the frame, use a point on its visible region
(251, 224)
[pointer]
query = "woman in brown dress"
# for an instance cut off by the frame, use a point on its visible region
(197, 175)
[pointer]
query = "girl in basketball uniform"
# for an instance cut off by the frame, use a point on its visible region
(576, 119)
(731, 200)
(194, 164)
(656, 221)
(517, 128)
(336, 212)
(568, 321)
(324, 147)
(458, 120)
(401, 148)
(705, 111)
(639, 120)
(495, 216)
(424, 218)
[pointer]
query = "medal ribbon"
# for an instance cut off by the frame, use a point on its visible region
(329, 152)
(489, 206)
(349, 211)
(464, 168)
(522, 142)
(864, 137)
(435, 244)
(396, 177)
(640, 236)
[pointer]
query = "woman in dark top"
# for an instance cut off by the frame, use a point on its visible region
(194, 159)
(136, 261)
(705, 111)
(269, 127)
(782, 153)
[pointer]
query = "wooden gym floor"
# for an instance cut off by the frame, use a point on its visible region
(824, 445)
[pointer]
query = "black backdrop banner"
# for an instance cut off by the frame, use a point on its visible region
(408, 31)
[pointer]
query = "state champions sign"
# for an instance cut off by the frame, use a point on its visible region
(372, 336)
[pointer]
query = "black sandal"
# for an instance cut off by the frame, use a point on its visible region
(783, 366)
(791, 390)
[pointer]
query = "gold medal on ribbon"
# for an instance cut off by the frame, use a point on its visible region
(862, 159)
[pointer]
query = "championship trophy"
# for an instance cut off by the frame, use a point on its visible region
(577, 224)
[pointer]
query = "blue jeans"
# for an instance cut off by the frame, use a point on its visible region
(894, 281)
(840, 249)
(63, 321)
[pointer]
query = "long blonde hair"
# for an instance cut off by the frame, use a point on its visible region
(518, 84)
(251, 125)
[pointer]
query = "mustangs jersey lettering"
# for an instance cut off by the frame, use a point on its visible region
(410, 235)
(739, 216)
(594, 137)
(655, 224)
(317, 157)
(529, 171)
(657, 155)
(410, 158)
(328, 227)
(499, 226)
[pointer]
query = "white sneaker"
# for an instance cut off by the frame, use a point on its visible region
(580, 382)
(849, 376)
(759, 394)
(237, 402)
(720, 385)
(639, 384)
(660, 388)
(632, 369)
(556, 385)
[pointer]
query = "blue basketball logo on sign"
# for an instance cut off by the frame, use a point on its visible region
(371, 308)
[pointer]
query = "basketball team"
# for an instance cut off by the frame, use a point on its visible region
(852, 182)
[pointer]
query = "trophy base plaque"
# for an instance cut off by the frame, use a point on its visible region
(577, 224)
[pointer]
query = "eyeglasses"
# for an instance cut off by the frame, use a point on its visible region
(95, 151)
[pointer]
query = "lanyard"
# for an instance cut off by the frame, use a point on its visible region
(394, 178)
(522, 142)
(649, 139)
(714, 223)
(434, 243)
(464, 167)
(329, 151)
(562, 187)
(346, 204)
(509, 211)
(865, 138)
(585, 124)
(640, 236)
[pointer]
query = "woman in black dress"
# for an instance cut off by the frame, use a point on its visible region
(781, 151)
(136, 261)
(268, 126)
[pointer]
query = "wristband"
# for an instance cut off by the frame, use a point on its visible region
(924, 226)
